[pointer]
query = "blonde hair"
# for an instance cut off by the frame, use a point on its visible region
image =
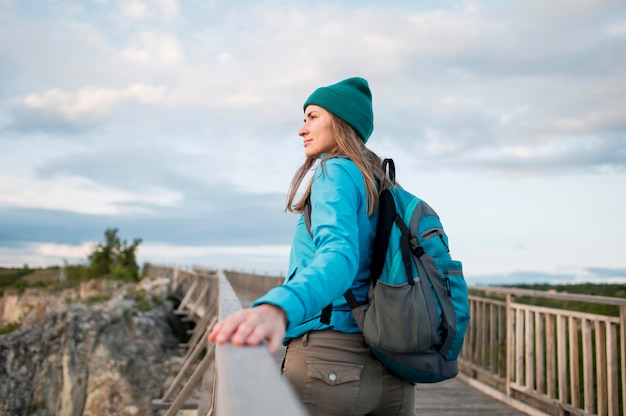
(350, 146)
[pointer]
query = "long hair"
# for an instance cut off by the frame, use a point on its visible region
(350, 146)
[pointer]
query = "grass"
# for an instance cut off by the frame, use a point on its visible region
(13, 326)
(142, 298)
(102, 297)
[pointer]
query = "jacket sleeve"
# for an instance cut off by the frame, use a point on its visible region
(335, 199)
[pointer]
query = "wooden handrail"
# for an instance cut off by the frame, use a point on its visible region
(248, 379)
(233, 381)
(574, 297)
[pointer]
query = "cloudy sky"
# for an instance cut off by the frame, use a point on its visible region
(176, 122)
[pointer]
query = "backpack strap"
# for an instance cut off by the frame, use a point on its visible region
(326, 314)
(387, 216)
(405, 249)
(307, 214)
(351, 299)
(390, 169)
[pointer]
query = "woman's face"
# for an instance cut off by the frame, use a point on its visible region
(317, 132)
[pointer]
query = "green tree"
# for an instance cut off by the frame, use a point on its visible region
(114, 258)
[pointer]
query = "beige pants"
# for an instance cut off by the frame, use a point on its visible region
(335, 374)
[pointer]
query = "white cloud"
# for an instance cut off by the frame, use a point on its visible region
(91, 103)
(616, 29)
(261, 259)
(134, 9)
(63, 250)
(145, 9)
(76, 194)
(44, 254)
(154, 48)
(169, 8)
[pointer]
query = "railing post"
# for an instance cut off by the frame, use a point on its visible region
(622, 330)
(175, 280)
(510, 342)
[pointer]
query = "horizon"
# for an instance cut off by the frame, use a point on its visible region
(272, 256)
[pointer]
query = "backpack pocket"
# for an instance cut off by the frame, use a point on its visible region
(456, 290)
(382, 327)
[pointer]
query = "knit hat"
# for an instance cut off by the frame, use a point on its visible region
(351, 101)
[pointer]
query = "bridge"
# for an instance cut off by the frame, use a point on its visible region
(517, 358)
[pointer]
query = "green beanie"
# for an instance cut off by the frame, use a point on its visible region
(351, 101)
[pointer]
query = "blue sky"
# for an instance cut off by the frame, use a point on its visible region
(176, 122)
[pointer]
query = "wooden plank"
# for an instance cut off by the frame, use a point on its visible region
(240, 391)
(191, 383)
(540, 353)
(561, 342)
(601, 300)
(574, 362)
(186, 298)
(513, 407)
(198, 332)
(601, 370)
(550, 356)
(588, 361)
(484, 328)
(613, 377)
(462, 396)
(466, 351)
(493, 338)
(502, 338)
(519, 347)
(529, 346)
(200, 300)
(158, 404)
(579, 315)
(207, 391)
(510, 342)
(189, 362)
(622, 330)
(473, 342)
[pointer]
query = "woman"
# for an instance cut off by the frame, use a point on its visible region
(327, 361)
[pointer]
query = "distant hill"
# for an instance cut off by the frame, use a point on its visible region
(13, 277)
(615, 290)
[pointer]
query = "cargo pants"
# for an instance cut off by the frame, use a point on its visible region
(335, 373)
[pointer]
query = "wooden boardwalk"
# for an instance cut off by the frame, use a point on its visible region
(457, 398)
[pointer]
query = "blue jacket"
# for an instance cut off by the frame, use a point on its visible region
(322, 268)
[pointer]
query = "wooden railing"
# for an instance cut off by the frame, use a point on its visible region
(541, 360)
(248, 379)
(230, 381)
(556, 360)
(197, 290)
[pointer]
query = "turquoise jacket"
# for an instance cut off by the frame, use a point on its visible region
(322, 268)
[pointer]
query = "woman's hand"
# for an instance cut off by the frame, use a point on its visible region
(251, 326)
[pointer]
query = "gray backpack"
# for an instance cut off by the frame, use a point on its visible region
(417, 311)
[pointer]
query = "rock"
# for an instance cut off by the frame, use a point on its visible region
(102, 358)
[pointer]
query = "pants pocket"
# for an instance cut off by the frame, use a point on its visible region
(332, 388)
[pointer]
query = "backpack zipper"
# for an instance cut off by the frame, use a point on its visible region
(430, 233)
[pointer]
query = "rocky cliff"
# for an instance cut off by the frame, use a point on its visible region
(103, 349)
